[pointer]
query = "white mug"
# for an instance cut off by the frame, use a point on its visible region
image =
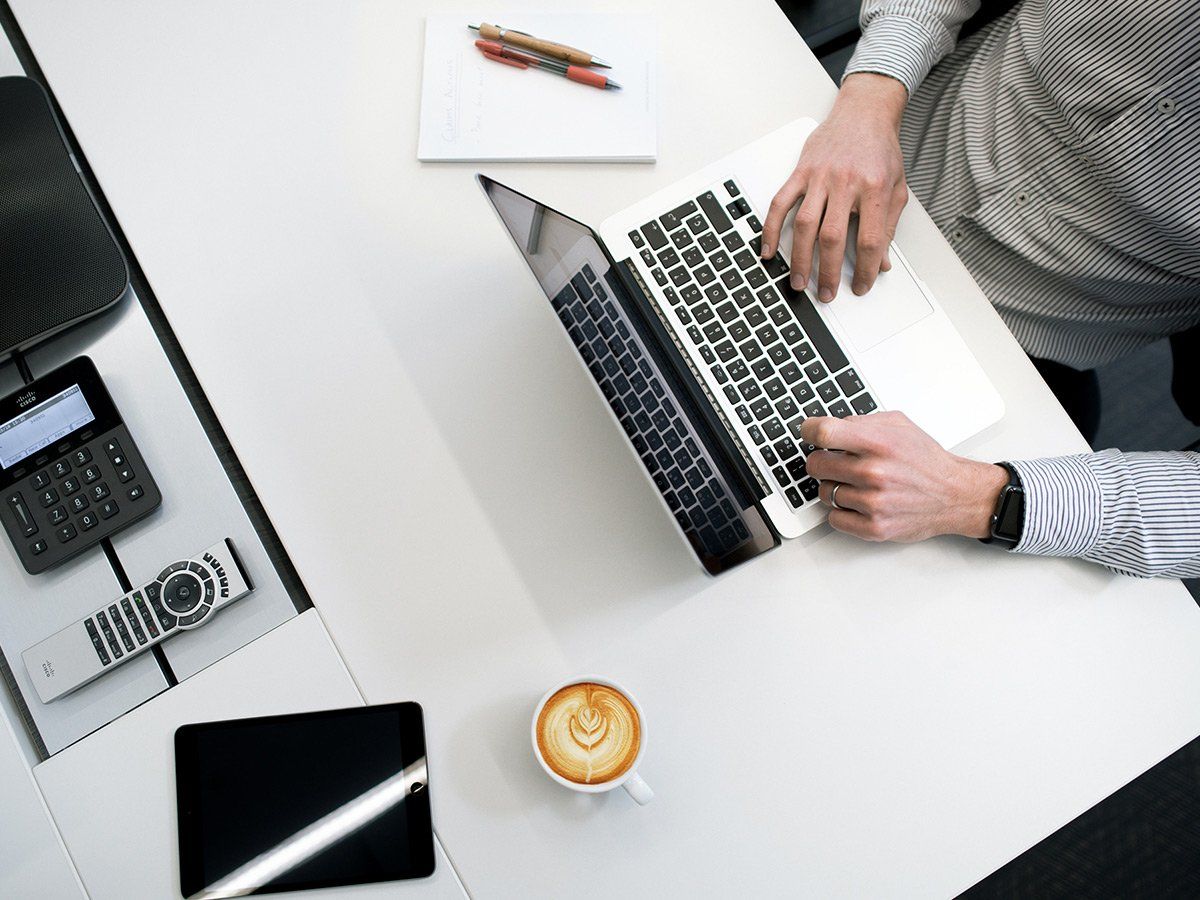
(630, 780)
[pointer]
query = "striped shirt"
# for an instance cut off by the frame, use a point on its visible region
(1058, 149)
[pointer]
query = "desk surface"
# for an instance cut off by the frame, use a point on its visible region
(836, 718)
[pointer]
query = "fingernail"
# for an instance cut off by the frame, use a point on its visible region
(766, 251)
(826, 295)
(797, 282)
(859, 288)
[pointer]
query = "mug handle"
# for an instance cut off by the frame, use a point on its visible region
(638, 789)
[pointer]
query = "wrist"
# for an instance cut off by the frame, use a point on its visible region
(874, 98)
(979, 487)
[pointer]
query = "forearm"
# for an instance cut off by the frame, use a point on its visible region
(1136, 513)
(904, 39)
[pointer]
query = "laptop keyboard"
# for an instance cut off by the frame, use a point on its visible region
(770, 353)
(665, 440)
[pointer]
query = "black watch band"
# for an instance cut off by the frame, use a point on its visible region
(1008, 521)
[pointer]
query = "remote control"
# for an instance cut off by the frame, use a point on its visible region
(184, 595)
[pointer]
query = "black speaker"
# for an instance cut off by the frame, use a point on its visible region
(59, 263)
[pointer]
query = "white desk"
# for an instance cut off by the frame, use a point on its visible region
(836, 718)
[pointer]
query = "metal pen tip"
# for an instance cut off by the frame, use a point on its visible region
(611, 84)
(473, 27)
(600, 64)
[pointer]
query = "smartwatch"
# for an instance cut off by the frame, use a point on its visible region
(1008, 521)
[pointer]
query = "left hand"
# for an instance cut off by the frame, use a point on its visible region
(897, 483)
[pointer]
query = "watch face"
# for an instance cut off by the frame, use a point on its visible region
(1010, 520)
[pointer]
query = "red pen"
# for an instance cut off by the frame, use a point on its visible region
(501, 54)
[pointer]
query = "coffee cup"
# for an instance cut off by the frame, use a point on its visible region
(589, 735)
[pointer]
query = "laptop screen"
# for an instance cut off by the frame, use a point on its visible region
(627, 361)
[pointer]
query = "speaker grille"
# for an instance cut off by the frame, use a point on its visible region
(58, 261)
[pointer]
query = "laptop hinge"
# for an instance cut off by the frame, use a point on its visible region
(706, 405)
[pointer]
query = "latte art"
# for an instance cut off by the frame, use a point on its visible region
(589, 733)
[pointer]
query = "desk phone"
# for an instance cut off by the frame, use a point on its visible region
(70, 473)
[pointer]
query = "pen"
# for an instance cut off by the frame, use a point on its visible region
(537, 45)
(501, 54)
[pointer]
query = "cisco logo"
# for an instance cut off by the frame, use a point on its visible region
(23, 400)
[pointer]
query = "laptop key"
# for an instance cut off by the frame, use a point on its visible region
(636, 239)
(737, 370)
(773, 429)
(814, 409)
(744, 259)
(647, 257)
(708, 242)
(794, 497)
(715, 211)
(720, 260)
(732, 188)
(809, 488)
(755, 316)
(720, 374)
(804, 353)
(781, 475)
(781, 315)
(814, 326)
(762, 368)
(751, 350)
(733, 241)
(715, 292)
(863, 404)
(731, 278)
(742, 297)
(787, 407)
(671, 296)
(654, 235)
(769, 456)
(739, 331)
(767, 335)
(731, 394)
(714, 331)
(827, 391)
(690, 294)
(756, 434)
(703, 312)
(786, 449)
(704, 275)
(790, 372)
(743, 414)
(761, 408)
(798, 469)
(668, 257)
(849, 382)
(679, 276)
(672, 219)
(727, 311)
(839, 409)
(660, 276)
(802, 392)
(756, 278)
(693, 257)
(774, 388)
(815, 372)
(754, 224)
(696, 224)
(681, 238)
(750, 389)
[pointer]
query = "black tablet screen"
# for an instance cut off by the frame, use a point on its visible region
(303, 801)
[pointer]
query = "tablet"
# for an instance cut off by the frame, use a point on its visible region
(310, 800)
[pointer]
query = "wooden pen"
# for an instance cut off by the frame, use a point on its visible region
(537, 45)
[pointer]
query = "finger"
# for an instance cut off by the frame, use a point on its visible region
(855, 433)
(848, 496)
(899, 199)
(872, 240)
(804, 235)
(831, 242)
(781, 204)
(835, 465)
(851, 522)
(886, 265)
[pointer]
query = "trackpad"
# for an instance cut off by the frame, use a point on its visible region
(893, 304)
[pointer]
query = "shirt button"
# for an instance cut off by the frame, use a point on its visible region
(1166, 106)
(957, 234)
(1022, 198)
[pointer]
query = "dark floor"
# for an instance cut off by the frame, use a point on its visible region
(1144, 840)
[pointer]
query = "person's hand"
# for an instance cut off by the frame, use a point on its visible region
(896, 482)
(850, 164)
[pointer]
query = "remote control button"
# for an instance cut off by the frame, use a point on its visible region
(210, 591)
(66, 533)
(90, 474)
(22, 515)
(109, 636)
(79, 503)
(88, 521)
(48, 498)
(82, 456)
(108, 509)
(182, 593)
(121, 629)
(100, 491)
(112, 447)
(61, 469)
(152, 591)
(195, 617)
(151, 624)
(136, 492)
(71, 485)
(39, 481)
(38, 546)
(133, 620)
(96, 642)
(58, 515)
(124, 474)
(172, 569)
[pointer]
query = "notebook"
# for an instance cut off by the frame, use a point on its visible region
(476, 109)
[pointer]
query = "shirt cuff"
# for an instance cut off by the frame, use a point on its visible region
(1063, 508)
(900, 47)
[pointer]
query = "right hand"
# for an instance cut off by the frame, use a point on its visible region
(850, 164)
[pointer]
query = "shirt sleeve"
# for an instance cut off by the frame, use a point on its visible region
(1136, 513)
(906, 38)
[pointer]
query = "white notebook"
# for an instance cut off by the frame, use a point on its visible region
(475, 109)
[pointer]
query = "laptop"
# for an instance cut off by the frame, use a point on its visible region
(709, 361)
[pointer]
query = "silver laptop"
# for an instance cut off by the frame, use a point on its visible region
(710, 362)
